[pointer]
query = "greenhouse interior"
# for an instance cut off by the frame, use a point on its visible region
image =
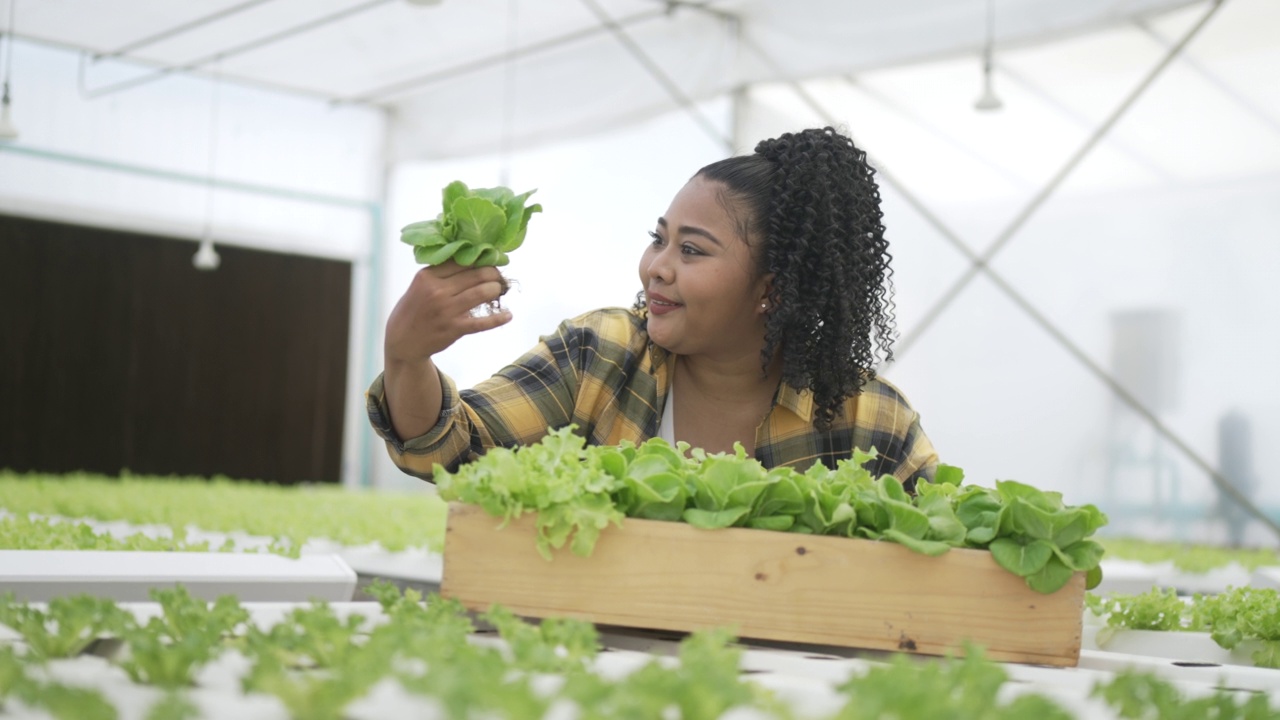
(928, 276)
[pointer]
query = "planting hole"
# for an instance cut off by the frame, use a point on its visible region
(106, 648)
(1181, 663)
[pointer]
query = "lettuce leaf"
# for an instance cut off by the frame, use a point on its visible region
(477, 227)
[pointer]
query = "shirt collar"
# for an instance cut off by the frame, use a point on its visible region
(799, 402)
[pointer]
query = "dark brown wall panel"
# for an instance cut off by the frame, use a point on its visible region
(115, 353)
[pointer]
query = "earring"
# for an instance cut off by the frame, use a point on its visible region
(764, 306)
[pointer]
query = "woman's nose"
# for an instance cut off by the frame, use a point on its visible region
(660, 266)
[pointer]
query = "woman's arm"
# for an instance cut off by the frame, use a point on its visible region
(432, 314)
(571, 375)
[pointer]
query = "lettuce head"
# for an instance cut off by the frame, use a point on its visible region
(477, 227)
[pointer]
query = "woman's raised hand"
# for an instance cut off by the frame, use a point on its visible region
(436, 310)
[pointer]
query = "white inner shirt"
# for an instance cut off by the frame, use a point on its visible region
(667, 426)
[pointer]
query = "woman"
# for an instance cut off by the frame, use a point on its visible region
(766, 289)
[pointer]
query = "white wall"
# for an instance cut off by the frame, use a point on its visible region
(125, 159)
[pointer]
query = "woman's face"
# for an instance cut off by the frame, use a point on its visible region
(701, 286)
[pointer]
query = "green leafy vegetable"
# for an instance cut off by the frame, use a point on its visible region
(173, 706)
(59, 701)
(1190, 557)
(477, 227)
(577, 491)
(553, 645)
(66, 627)
(1141, 695)
(1230, 617)
(21, 532)
(290, 514)
(552, 478)
(705, 685)
(169, 650)
(963, 689)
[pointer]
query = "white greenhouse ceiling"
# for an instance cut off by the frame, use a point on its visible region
(458, 74)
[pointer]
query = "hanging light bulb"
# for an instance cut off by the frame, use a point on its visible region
(988, 100)
(206, 257)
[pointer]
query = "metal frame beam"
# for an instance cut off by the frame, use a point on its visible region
(673, 89)
(1027, 85)
(180, 29)
(980, 263)
(897, 107)
(165, 71)
(1212, 78)
(411, 84)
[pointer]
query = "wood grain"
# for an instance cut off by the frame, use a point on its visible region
(768, 585)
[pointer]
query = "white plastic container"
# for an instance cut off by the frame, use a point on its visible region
(40, 575)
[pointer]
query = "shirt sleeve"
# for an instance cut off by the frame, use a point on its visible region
(920, 458)
(516, 406)
(887, 422)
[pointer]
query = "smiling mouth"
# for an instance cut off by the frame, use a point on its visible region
(659, 305)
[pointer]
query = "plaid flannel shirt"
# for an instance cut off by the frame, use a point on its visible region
(600, 371)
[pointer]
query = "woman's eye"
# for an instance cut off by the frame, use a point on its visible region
(690, 250)
(655, 237)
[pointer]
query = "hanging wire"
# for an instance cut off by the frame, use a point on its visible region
(7, 130)
(213, 150)
(988, 100)
(508, 97)
(206, 257)
(8, 62)
(8, 50)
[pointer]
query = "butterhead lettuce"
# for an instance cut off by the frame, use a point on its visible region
(476, 228)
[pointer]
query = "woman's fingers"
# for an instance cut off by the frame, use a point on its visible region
(484, 292)
(499, 317)
(436, 309)
(451, 269)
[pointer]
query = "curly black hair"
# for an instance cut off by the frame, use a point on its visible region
(809, 206)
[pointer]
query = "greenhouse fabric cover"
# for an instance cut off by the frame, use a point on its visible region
(444, 69)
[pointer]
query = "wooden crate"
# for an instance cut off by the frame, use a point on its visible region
(768, 585)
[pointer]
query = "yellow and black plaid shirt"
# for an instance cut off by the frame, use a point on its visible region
(600, 371)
